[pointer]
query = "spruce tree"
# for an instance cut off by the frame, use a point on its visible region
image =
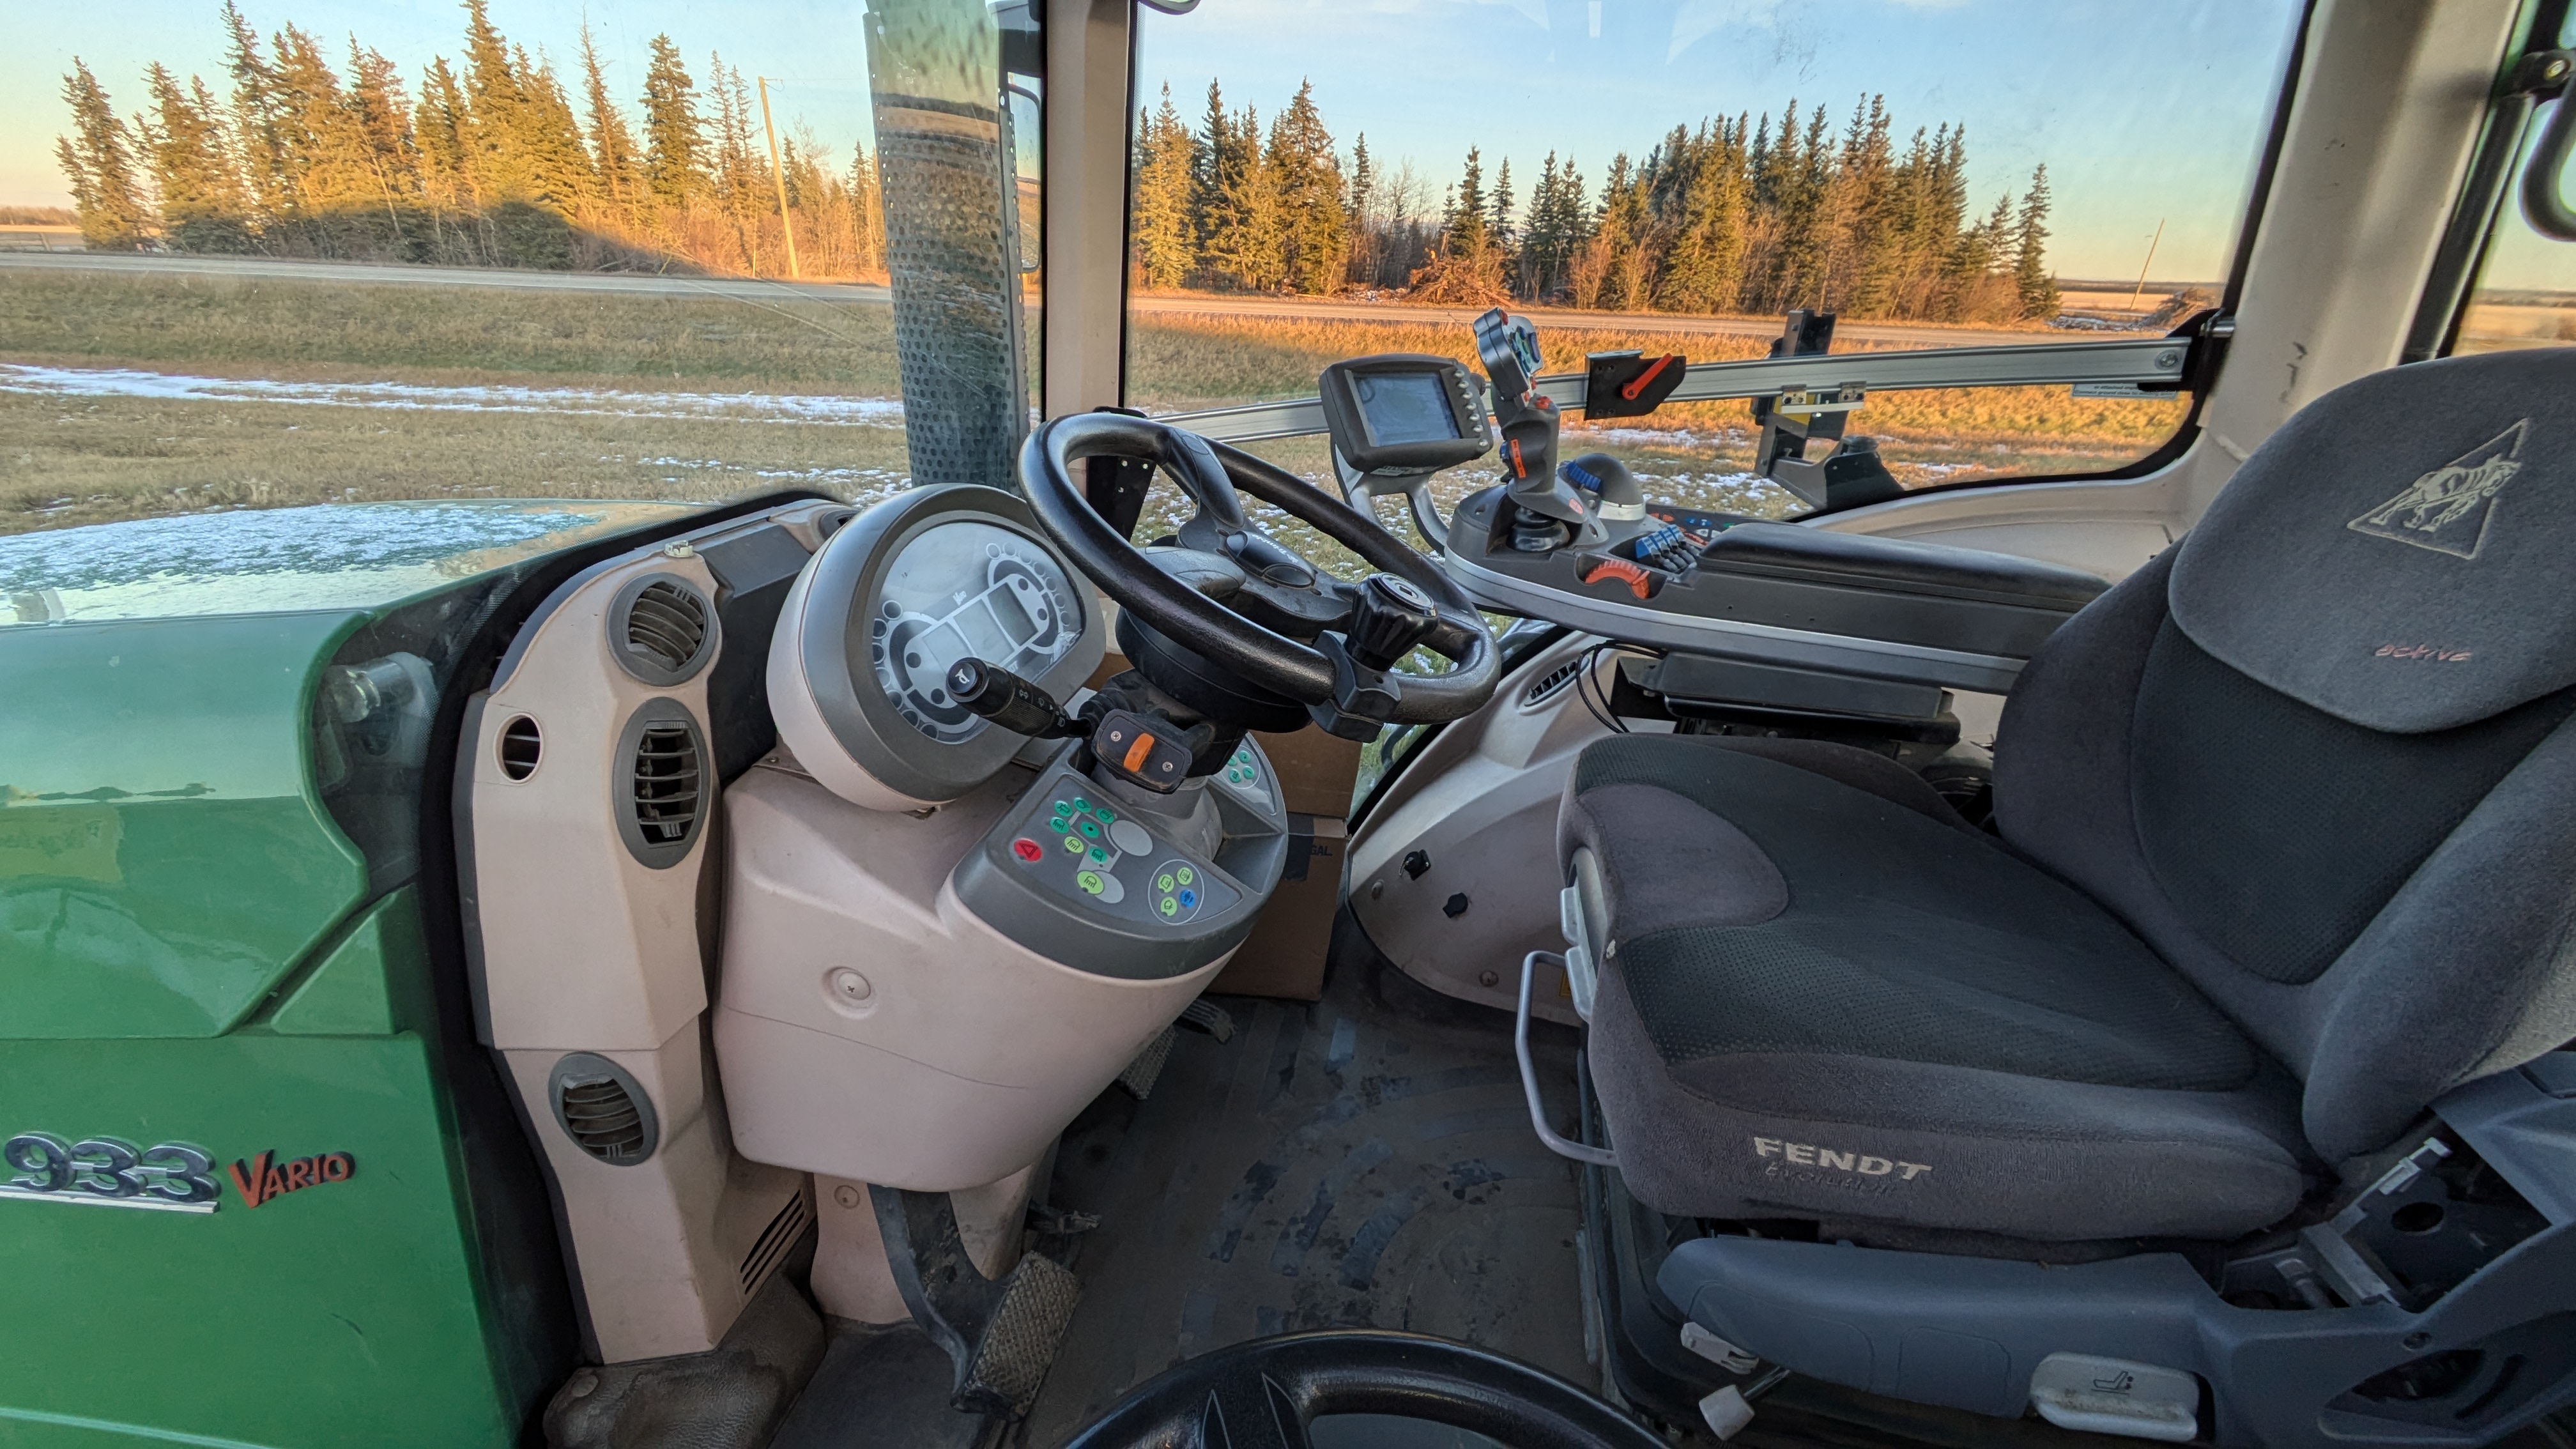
(2033, 287)
(1704, 270)
(98, 160)
(674, 148)
(500, 166)
(1502, 219)
(1244, 246)
(1159, 227)
(438, 128)
(203, 208)
(1362, 206)
(1215, 126)
(557, 159)
(1306, 188)
(613, 154)
(257, 122)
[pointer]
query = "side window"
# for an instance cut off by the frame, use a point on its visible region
(1673, 176)
(312, 251)
(2524, 294)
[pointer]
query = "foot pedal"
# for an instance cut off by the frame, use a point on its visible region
(1141, 1074)
(1011, 1359)
(1000, 1338)
(1207, 1016)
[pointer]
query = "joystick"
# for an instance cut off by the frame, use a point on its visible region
(1546, 511)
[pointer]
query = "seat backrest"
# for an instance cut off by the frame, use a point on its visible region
(2318, 755)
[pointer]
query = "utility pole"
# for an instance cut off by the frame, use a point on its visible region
(778, 175)
(2133, 291)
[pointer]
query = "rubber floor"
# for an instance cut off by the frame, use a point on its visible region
(1361, 1161)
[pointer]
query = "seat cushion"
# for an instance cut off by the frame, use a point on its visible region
(1821, 998)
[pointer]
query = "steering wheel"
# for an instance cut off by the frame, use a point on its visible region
(1252, 607)
(1263, 1394)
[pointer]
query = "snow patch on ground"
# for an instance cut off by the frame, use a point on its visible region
(753, 407)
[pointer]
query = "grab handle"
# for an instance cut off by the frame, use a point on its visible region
(1595, 1156)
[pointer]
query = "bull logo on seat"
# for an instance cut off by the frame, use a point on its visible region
(2448, 509)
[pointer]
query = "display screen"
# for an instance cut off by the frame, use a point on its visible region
(1405, 407)
(960, 589)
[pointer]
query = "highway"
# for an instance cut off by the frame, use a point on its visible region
(1881, 334)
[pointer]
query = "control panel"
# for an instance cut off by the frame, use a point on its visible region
(1102, 860)
(1079, 873)
(1247, 774)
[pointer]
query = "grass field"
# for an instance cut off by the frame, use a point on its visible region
(124, 395)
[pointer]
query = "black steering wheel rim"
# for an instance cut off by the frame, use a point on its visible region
(1263, 1394)
(1210, 473)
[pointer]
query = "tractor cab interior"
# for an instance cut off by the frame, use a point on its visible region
(2043, 922)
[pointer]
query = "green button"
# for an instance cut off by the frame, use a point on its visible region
(1101, 813)
(1057, 825)
(1074, 844)
(1163, 882)
(1186, 874)
(1088, 829)
(1081, 804)
(1061, 807)
(1089, 880)
(1168, 906)
(1099, 856)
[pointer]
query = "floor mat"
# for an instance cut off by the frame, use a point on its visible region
(1365, 1161)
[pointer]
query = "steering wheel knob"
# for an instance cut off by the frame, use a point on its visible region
(1388, 618)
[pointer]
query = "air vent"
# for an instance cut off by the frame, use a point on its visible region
(603, 1109)
(775, 1240)
(520, 747)
(662, 629)
(1551, 684)
(662, 782)
(666, 783)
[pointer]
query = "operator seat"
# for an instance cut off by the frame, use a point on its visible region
(2287, 849)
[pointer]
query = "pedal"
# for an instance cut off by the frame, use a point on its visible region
(1205, 1015)
(1000, 1337)
(1010, 1360)
(1141, 1074)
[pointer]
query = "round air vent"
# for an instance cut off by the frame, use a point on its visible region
(661, 782)
(520, 747)
(603, 1109)
(662, 630)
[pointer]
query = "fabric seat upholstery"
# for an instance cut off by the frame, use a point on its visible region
(2287, 849)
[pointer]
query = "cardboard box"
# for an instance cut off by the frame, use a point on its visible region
(1284, 955)
(1316, 770)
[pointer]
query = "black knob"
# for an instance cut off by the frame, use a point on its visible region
(1388, 618)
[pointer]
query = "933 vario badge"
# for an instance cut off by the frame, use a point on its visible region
(105, 1172)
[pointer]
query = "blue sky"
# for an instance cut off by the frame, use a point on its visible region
(2142, 111)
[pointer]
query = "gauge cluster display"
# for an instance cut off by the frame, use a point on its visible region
(965, 589)
(858, 667)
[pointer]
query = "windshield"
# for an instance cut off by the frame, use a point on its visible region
(1323, 178)
(284, 252)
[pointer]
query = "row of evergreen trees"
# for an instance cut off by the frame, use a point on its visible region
(489, 165)
(1745, 215)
